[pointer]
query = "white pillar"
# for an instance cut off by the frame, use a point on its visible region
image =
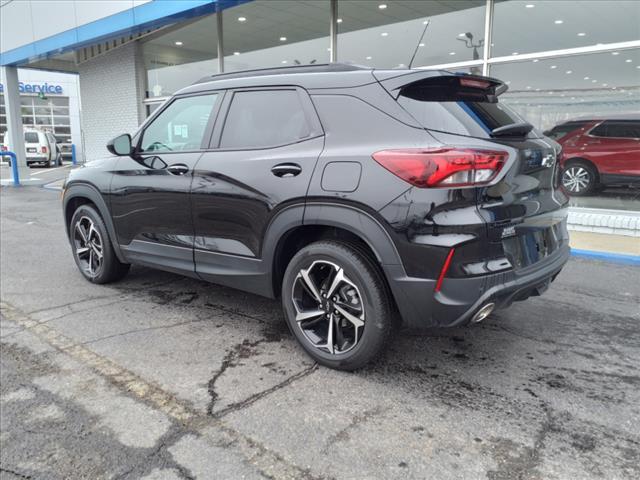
(15, 133)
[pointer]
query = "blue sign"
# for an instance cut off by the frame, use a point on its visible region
(37, 88)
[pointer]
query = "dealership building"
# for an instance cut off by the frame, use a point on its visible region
(562, 60)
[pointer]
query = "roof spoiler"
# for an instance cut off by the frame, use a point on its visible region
(437, 85)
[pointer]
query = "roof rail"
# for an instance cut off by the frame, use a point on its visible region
(292, 69)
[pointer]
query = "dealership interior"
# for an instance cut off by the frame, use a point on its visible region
(563, 60)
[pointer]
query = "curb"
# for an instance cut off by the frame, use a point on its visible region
(606, 256)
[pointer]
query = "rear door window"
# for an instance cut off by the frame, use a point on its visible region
(617, 129)
(266, 118)
(31, 137)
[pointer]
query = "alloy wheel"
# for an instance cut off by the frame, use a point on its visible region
(88, 246)
(328, 306)
(576, 179)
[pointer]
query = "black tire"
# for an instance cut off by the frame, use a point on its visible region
(372, 297)
(109, 269)
(579, 178)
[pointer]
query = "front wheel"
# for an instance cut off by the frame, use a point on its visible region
(92, 249)
(337, 305)
(579, 178)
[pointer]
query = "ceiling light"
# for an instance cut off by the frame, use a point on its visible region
(284, 61)
(242, 19)
(421, 44)
(452, 53)
(582, 34)
(637, 66)
(236, 53)
(568, 72)
(382, 6)
(553, 67)
(628, 60)
(426, 22)
(179, 44)
(462, 34)
(593, 81)
(615, 53)
(384, 34)
(529, 5)
(605, 84)
(535, 60)
(339, 20)
(369, 58)
(559, 22)
(528, 87)
(586, 78)
(514, 53)
(283, 39)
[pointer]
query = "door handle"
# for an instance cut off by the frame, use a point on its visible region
(178, 169)
(286, 170)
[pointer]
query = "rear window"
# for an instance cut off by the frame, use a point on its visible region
(443, 104)
(560, 131)
(31, 137)
(473, 119)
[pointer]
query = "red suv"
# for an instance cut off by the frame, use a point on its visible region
(599, 152)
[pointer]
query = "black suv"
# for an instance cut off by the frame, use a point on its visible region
(363, 198)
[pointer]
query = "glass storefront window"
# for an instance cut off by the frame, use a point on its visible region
(179, 58)
(569, 98)
(387, 37)
(275, 33)
(533, 26)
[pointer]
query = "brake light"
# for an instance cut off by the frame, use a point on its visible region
(470, 82)
(44, 149)
(445, 268)
(443, 167)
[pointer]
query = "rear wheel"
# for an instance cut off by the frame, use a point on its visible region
(92, 249)
(579, 178)
(337, 305)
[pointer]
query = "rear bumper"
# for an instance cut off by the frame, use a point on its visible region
(460, 298)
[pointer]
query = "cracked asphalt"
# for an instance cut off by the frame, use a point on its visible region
(164, 377)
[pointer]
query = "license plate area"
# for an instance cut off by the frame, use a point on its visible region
(32, 150)
(531, 246)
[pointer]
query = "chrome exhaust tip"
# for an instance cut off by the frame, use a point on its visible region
(483, 313)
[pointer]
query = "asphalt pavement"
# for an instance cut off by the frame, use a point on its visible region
(164, 377)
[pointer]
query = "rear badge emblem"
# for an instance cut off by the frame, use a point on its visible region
(509, 232)
(548, 160)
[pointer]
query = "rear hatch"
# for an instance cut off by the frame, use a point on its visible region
(523, 207)
(32, 144)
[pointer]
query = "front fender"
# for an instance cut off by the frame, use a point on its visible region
(89, 192)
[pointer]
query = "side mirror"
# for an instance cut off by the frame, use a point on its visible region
(121, 145)
(547, 133)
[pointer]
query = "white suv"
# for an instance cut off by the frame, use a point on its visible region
(41, 147)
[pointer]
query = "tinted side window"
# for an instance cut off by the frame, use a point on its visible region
(31, 137)
(617, 129)
(180, 126)
(623, 129)
(264, 119)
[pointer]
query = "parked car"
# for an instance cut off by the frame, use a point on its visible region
(599, 152)
(41, 147)
(362, 198)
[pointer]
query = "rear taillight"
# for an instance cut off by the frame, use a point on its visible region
(443, 167)
(44, 149)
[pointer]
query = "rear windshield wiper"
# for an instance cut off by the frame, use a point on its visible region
(512, 130)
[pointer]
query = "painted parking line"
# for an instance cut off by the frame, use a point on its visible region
(50, 170)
